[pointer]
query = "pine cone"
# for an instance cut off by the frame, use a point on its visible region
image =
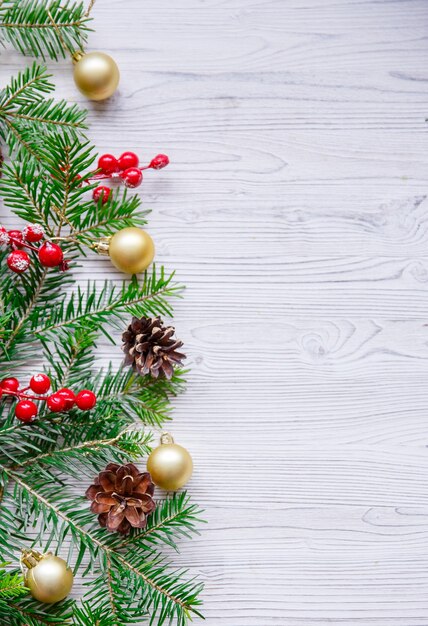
(122, 497)
(151, 348)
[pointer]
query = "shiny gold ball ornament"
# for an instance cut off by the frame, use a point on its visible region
(170, 465)
(96, 74)
(48, 577)
(131, 249)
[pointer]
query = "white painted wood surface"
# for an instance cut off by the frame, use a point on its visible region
(294, 210)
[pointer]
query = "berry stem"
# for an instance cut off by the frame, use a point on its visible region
(68, 239)
(19, 394)
(23, 244)
(100, 177)
(117, 174)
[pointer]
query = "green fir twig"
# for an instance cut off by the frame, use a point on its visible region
(46, 28)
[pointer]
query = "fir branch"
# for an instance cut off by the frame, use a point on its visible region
(89, 615)
(18, 140)
(91, 221)
(29, 612)
(125, 446)
(64, 440)
(69, 451)
(20, 317)
(71, 365)
(25, 192)
(27, 117)
(142, 398)
(19, 441)
(48, 28)
(26, 87)
(148, 297)
(11, 584)
(110, 587)
(12, 538)
(26, 297)
(175, 516)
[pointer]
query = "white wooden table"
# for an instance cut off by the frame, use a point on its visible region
(294, 210)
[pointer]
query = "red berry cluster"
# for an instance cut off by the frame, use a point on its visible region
(48, 253)
(125, 168)
(61, 400)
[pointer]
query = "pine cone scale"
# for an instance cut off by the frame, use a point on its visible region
(106, 498)
(167, 369)
(99, 508)
(176, 357)
(107, 480)
(133, 516)
(91, 492)
(126, 486)
(143, 484)
(115, 517)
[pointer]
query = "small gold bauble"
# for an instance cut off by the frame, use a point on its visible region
(131, 250)
(48, 577)
(96, 74)
(170, 465)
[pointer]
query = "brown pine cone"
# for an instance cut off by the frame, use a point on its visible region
(150, 347)
(122, 497)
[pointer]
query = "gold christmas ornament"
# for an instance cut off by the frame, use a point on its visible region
(131, 249)
(170, 465)
(48, 577)
(96, 74)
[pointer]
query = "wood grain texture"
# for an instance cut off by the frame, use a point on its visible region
(295, 212)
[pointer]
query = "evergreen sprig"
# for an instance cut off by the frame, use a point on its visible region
(11, 584)
(29, 612)
(27, 116)
(46, 28)
(44, 312)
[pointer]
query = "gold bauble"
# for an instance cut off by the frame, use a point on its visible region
(131, 250)
(48, 577)
(96, 74)
(170, 465)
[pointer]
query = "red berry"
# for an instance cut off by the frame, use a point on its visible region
(15, 238)
(132, 177)
(159, 161)
(108, 164)
(86, 400)
(4, 236)
(68, 396)
(10, 384)
(26, 410)
(56, 403)
(50, 254)
(102, 192)
(40, 383)
(33, 233)
(18, 261)
(128, 159)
